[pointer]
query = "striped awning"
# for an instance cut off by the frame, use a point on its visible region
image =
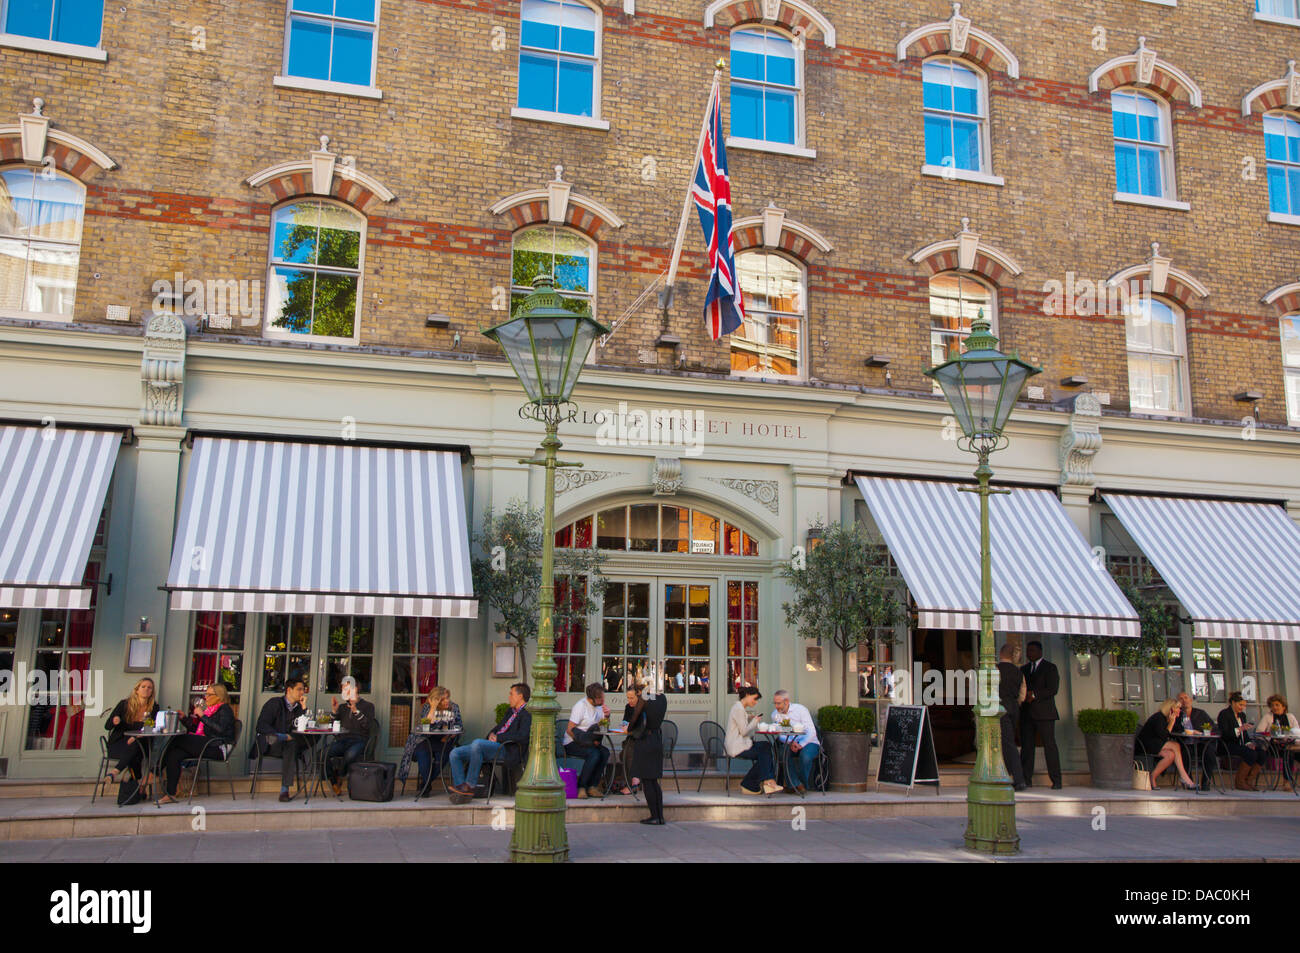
(270, 526)
(1234, 566)
(1045, 579)
(52, 488)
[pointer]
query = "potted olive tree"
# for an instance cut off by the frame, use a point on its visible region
(842, 592)
(1108, 733)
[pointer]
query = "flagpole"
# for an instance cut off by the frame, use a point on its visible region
(666, 297)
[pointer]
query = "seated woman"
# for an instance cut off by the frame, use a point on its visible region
(1235, 732)
(428, 751)
(1278, 715)
(1155, 740)
(129, 715)
(212, 728)
(741, 724)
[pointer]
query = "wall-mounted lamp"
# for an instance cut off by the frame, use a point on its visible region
(1083, 662)
(815, 536)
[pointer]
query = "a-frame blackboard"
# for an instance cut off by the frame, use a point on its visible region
(907, 756)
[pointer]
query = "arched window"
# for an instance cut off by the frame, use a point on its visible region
(568, 257)
(770, 343)
(766, 87)
(955, 301)
(317, 249)
(1157, 364)
(41, 215)
(657, 528)
(1291, 366)
(956, 113)
(559, 57)
(1143, 161)
(1282, 149)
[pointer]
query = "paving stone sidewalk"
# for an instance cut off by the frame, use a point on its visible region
(1125, 838)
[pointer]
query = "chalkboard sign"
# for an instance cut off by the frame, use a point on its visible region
(907, 753)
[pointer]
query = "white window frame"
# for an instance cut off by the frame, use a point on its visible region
(931, 329)
(289, 81)
(279, 334)
(1285, 218)
(48, 315)
(594, 121)
(984, 174)
(799, 148)
(1290, 372)
(58, 48)
(1169, 191)
(1180, 341)
(1274, 18)
(802, 355)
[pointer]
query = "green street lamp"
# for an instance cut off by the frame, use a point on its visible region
(982, 385)
(547, 345)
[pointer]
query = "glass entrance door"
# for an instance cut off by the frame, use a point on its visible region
(660, 631)
(322, 649)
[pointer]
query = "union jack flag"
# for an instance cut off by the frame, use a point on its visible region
(724, 308)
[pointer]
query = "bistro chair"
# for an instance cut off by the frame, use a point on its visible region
(821, 772)
(501, 764)
(101, 776)
(270, 764)
(668, 731)
(1147, 761)
(203, 765)
(713, 738)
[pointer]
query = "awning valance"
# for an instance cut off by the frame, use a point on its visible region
(52, 488)
(1044, 577)
(1234, 565)
(270, 526)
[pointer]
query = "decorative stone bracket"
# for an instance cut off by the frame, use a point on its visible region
(162, 371)
(1080, 442)
(1163, 279)
(557, 204)
(967, 251)
(666, 476)
(34, 142)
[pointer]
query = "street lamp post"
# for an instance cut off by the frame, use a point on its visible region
(547, 345)
(982, 384)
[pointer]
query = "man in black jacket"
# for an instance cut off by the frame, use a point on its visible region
(1038, 715)
(274, 725)
(1009, 684)
(467, 760)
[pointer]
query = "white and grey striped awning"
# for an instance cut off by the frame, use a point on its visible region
(52, 488)
(1234, 566)
(269, 526)
(1045, 579)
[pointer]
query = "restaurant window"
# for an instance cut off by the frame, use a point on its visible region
(56, 718)
(315, 271)
(332, 41)
(559, 57)
(1282, 152)
(568, 258)
(79, 22)
(657, 528)
(878, 672)
(766, 87)
(218, 656)
(686, 639)
(625, 635)
(1258, 675)
(570, 634)
(1209, 676)
(769, 342)
(955, 302)
(286, 650)
(40, 241)
(742, 635)
(955, 116)
(1157, 367)
(349, 650)
(416, 645)
(1290, 333)
(1143, 161)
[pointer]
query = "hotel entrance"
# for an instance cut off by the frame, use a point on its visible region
(950, 653)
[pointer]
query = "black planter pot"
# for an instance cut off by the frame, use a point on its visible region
(850, 756)
(1110, 761)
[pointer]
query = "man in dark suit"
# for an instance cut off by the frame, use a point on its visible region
(1038, 715)
(467, 760)
(274, 737)
(1009, 684)
(1190, 717)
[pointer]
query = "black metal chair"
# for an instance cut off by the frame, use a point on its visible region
(101, 777)
(713, 738)
(821, 772)
(1147, 761)
(270, 764)
(502, 765)
(668, 731)
(203, 764)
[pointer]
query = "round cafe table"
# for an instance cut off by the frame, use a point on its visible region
(155, 746)
(1283, 749)
(318, 738)
(780, 737)
(427, 737)
(1196, 744)
(618, 760)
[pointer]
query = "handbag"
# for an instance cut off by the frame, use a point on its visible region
(1141, 778)
(128, 791)
(371, 780)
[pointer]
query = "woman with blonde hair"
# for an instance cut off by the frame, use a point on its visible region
(129, 715)
(430, 753)
(1155, 740)
(212, 732)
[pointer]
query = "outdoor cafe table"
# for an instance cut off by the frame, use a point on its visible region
(1281, 748)
(619, 757)
(318, 739)
(1196, 745)
(155, 744)
(427, 736)
(779, 737)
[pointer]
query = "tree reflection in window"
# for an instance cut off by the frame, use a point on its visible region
(315, 269)
(566, 257)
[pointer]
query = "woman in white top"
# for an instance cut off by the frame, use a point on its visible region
(1278, 716)
(585, 717)
(741, 723)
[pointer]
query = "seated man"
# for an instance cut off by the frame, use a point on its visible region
(1198, 720)
(355, 717)
(804, 747)
(580, 741)
(467, 760)
(274, 725)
